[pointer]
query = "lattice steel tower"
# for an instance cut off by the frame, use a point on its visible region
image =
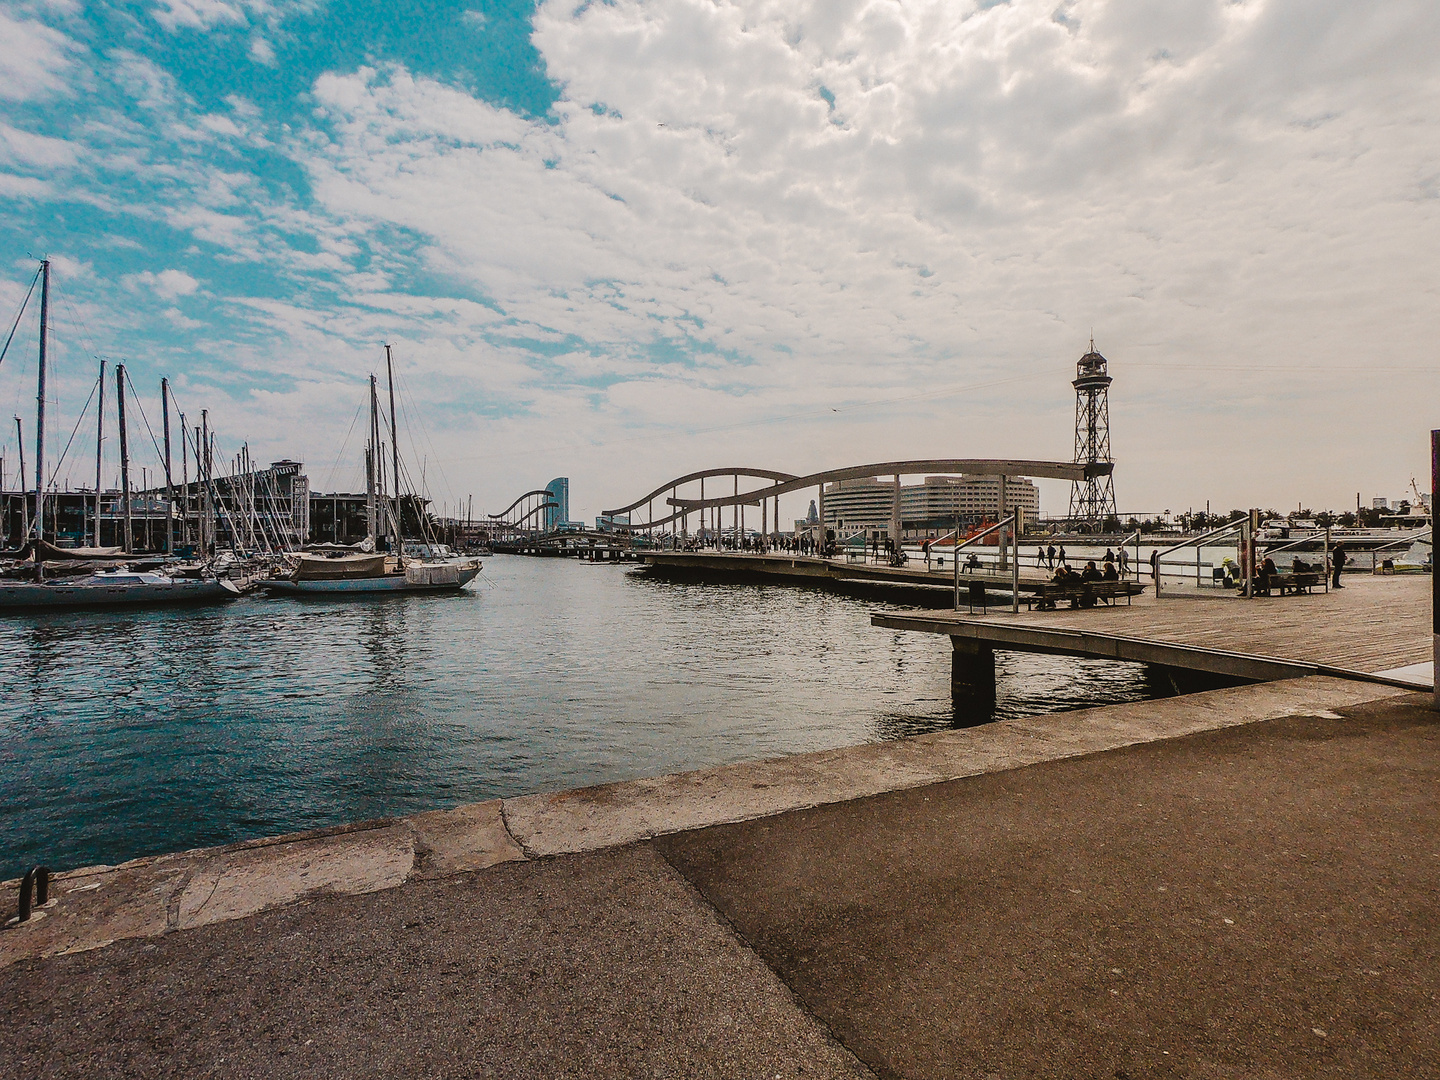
(1092, 501)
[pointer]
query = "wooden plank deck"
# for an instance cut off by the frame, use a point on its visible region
(1374, 624)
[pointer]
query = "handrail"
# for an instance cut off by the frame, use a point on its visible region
(1407, 541)
(1233, 526)
(1316, 535)
(1197, 541)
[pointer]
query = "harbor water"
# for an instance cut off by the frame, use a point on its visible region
(126, 733)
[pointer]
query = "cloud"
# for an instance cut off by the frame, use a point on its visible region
(167, 284)
(759, 225)
(197, 14)
(35, 59)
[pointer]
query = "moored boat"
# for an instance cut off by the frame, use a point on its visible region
(333, 570)
(110, 588)
(351, 579)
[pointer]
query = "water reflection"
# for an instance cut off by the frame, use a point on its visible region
(127, 733)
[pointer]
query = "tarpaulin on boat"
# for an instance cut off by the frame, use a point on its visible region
(346, 566)
(44, 551)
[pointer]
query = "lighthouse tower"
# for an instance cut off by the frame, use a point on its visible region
(1092, 501)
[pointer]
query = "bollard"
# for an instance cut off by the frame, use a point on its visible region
(37, 879)
(23, 914)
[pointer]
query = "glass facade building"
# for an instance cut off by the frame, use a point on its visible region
(559, 492)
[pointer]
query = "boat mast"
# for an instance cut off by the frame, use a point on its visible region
(124, 457)
(207, 525)
(40, 402)
(24, 501)
(371, 525)
(184, 481)
(395, 456)
(99, 450)
(169, 484)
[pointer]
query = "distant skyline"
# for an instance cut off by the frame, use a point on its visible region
(620, 241)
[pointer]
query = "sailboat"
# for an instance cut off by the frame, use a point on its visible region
(47, 576)
(354, 573)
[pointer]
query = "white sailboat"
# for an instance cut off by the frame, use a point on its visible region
(351, 573)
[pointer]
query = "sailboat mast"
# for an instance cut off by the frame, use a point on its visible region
(99, 450)
(207, 525)
(40, 401)
(395, 456)
(169, 483)
(372, 526)
(24, 501)
(124, 456)
(184, 481)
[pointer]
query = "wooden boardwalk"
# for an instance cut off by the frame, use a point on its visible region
(1373, 625)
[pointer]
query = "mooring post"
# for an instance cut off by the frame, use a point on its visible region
(972, 670)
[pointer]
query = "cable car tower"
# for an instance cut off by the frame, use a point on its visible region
(1092, 501)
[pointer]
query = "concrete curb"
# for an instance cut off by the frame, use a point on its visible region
(94, 906)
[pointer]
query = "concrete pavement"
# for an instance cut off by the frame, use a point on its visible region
(1242, 882)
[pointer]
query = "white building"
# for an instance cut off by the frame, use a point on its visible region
(866, 505)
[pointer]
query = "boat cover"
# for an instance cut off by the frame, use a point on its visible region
(433, 574)
(346, 566)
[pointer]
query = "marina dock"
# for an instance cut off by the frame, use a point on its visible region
(1375, 630)
(938, 583)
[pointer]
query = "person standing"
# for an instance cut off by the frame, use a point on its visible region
(1338, 559)
(1050, 556)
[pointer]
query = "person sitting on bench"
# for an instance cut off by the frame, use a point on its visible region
(1110, 573)
(1090, 573)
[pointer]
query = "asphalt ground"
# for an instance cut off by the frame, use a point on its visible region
(589, 966)
(1258, 901)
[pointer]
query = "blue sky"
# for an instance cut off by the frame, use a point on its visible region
(619, 241)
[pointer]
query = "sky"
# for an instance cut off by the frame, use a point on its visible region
(621, 241)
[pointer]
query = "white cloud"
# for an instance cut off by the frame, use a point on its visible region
(34, 60)
(744, 211)
(167, 284)
(197, 14)
(261, 51)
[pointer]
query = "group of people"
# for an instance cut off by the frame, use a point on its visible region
(804, 544)
(1050, 557)
(1066, 576)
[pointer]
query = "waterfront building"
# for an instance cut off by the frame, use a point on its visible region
(252, 509)
(865, 505)
(558, 491)
(611, 522)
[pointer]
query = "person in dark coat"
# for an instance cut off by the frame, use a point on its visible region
(1339, 559)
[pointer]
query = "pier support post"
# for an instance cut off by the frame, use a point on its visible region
(972, 670)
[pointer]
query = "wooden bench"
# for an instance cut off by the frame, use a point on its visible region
(1082, 594)
(1288, 582)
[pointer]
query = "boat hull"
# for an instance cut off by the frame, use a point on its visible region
(30, 596)
(388, 585)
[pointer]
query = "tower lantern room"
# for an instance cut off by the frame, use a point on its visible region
(1092, 501)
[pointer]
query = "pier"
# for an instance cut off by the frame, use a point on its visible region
(1377, 630)
(933, 586)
